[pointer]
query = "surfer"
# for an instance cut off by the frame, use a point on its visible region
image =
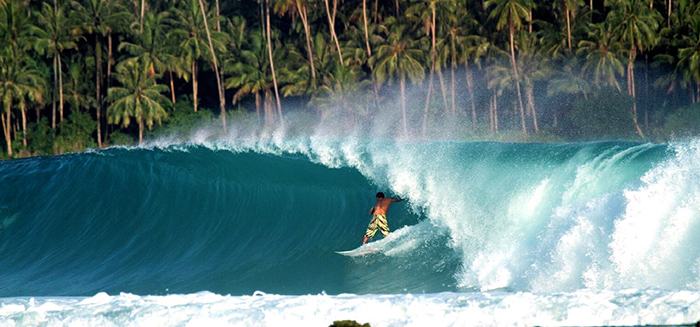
(378, 213)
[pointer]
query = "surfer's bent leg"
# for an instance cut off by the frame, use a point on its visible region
(372, 228)
(383, 224)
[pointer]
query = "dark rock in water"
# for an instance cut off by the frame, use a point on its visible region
(348, 323)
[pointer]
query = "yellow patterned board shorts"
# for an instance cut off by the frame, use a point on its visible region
(378, 221)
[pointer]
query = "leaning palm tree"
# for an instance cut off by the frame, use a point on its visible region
(20, 83)
(56, 35)
(511, 13)
(636, 27)
(399, 57)
(603, 55)
(301, 7)
(139, 97)
(214, 61)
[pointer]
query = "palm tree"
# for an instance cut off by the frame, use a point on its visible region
(399, 57)
(472, 49)
(301, 7)
(249, 73)
(603, 55)
(139, 97)
(55, 37)
(427, 13)
(20, 83)
(343, 93)
(636, 27)
(511, 13)
(153, 49)
(689, 55)
(569, 7)
(268, 34)
(16, 26)
(77, 94)
(219, 87)
(190, 38)
(98, 18)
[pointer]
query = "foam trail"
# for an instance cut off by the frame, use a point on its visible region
(622, 308)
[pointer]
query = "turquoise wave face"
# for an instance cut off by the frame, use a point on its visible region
(238, 217)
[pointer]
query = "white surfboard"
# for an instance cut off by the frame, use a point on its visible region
(357, 252)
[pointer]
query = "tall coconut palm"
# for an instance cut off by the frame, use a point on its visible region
(268, 34)
(250, 73)
(188, 33)
(689, 55)
(98, 19)
(20, 83)
(139, 97)
(77, 85)
(636, 27)
(603, 55)
(511, 13)
(399, 57)
(331, 23)
(56, 35)
(343, 93)
(301, 7)
(214, 61)
(569, 7)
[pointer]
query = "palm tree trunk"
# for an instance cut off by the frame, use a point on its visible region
(491, 115)
(427, 99)
(257, 105)
(454, 106)
(53, 100)
(307, 32)
(222, 104)
(6, 128)
(109, 60)
(272, 62)
(143, 10)
(331, 22)
(98, 97)
(495, 111)
(470, 88)
(60, 89)
(24, 125)
(364, 17)
(568, 27)
(442, 89)
(140, 130)
(668, 19)
(195, 87)
(531, 103)
(172, 86)
(376, 11)
(630, 87)
(403, 105)
(517, 77)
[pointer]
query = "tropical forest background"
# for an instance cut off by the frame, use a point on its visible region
(77, 74)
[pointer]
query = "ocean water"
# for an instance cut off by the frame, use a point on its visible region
(243, 231)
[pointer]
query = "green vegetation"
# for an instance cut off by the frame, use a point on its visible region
(92, 73)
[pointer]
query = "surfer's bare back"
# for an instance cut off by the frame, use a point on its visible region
(378, 213)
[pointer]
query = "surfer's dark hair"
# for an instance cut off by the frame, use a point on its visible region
(380, 195)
